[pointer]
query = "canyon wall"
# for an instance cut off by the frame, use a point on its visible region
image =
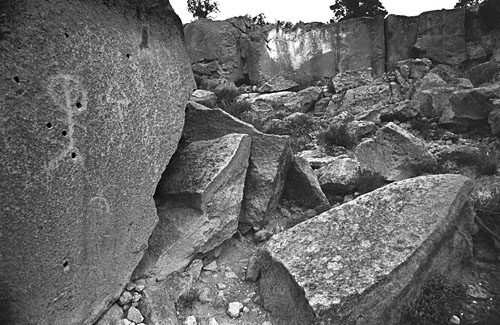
(309, 52)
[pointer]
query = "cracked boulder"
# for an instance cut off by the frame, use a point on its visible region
(199, 202)
(360, 262)
(394, 153)
(270, 158)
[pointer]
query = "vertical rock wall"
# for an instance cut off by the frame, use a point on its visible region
(92, 97)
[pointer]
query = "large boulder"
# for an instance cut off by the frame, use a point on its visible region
(302, 186)
(270, 159)
(304, 100)
(213, 48)
(359, 263)
(441, 36)
(352, 79)
(93, 97)
(394, 153)
(471, 105)
(199, 202)
(362, 99)
(400, 35)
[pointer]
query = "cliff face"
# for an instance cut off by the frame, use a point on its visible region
(459, 38)
(92, 101)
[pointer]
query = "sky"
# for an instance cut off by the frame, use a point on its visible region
(305, 10)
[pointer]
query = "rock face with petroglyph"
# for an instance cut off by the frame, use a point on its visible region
(92, 101)
(359, 262)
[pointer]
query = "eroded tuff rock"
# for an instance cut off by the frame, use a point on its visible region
(270, 159)
(92, 107)
(394, 153)
(358, 263)
(199, 202)
(302, 185)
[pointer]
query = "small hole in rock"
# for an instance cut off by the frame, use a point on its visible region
(66, 266)
(128, 56)
(49, 125)
(16, 79)
(66, 34)
(64, 133)
(78, 105)
(73, 155)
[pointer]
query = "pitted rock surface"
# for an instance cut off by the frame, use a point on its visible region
(199, 202)
(356, 262)
(92, 107)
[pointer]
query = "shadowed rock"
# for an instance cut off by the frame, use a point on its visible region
(358, 263)
(198, 201)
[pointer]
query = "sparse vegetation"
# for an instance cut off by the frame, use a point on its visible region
(337, 134)
(299, 130)
(346, 9)
(487, 161)
(369, 181)
(202, 8)
(487, 206)
(439, 300)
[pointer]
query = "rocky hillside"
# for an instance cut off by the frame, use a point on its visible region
(323, 174)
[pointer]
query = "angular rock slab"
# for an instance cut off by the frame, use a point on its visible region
(359, 262)
(270, 158)
(92, 107)
(302, 185)
(198, 201)
(394, 153)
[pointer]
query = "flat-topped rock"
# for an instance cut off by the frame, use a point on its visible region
(357, 263)
(198, 201)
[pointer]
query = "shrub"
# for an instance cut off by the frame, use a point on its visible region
(487, 161)
(438, 301)
(237, 108)
(202, 8)
(487, 207)
(300, 132)
(337, 134)
(369, 181)
(226, 96)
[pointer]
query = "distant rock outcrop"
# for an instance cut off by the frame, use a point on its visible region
(92, 100)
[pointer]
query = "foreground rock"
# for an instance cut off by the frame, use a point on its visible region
(358, 263)
(92, 111)
(199, 202)
(339, 176)
(270, 158)
(394, 153)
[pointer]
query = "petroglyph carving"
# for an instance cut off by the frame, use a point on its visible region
(69, 95)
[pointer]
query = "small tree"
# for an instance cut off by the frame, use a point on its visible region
(467, 3)
(202, 8)
(345, 9)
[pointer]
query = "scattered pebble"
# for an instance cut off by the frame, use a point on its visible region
(195, 268)
(212, 321)
(190, 320)
(455, 320)
(126, 322)
(136, 297)
(234, 309)
(262, 235)
(246, 309)
(205, 295)
(267, 323)
(221, 286)
(212, 266)
(135, 315)
(130, 286)
(125, 298)
(140, 288)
